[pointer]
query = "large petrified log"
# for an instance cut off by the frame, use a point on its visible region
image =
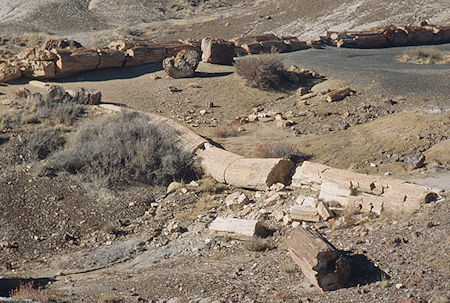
(258, 173)
(215, 161)
(256, 38)
(75, 61)
(9, 72)
(369, 193)
(145, 54)
(217, 51)
(320, 262)
(110, 58)
(50, 44)
(418, 35)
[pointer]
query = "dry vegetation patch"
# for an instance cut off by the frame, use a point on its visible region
(425, 55)
(124, 148)
(262, 71)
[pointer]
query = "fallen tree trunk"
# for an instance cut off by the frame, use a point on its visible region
(215, 161)
(320, 262)
(75, 61)
(237, 228)
(369, 193)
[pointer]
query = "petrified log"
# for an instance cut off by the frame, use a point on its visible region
(256, 38)
(124, 45)
(9, 72)
(145, 54)
(323, 265)
(276, 46)
(43, 69)
(441, 34)
(253, 48)
(237, 228)
(375, 40)
(217, 51)
(75, 61)
(258, 173)
(50, 44)
(418, 35)
(173, 48)
(215, 161)
(304, 213)
(339, 94)
(395, 36)
(110, 58)
(315, 44)
(294, 44)
(371, 193)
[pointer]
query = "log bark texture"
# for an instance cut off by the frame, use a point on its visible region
(320, 262)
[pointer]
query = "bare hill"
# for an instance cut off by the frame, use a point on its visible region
(194, 18)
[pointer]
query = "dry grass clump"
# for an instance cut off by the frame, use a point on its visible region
(226, 130)
(124, 148)
(255, 244)
(28, 291)
(262, 71)
(41, 144)
(276, 149)
(109, 298)
(425, 55)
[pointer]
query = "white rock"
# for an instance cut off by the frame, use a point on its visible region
(236, 200)
(252, 118)
(184, 190)
(277, 186)
(278, 215)
(203, 112)
(272, 200)
(399, 285)
(193, 184)
(287, 219)
(173, 187)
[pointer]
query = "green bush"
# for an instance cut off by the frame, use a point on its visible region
(123, 148)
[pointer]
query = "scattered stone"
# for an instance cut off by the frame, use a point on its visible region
(194, 184)
(236, 200)
(272, 199)
(287, 219)
(399, 285)
(183, 65)
(173, 227)
(302, 91)
(8, 244)
(304, 213)
(323, 211)
(308, 96)
(414, 161)
(339, 94)
(88, 96)
(252, 118)
(203, 112)
(278, 215)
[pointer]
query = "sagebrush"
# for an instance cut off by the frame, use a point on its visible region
(276, 149)
(262, 71)
(425, 55)
(123, 148)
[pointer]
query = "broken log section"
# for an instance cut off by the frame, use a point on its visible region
(323, 265)
(369, 193)
(237, 228)
(339, 94)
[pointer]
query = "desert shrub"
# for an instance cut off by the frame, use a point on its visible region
(226, 130)
(37, 109)
(425, 55)
(28, 291)
(276, 149)
(262, 71)
(255, 244)
(41, 144)
(123, 148)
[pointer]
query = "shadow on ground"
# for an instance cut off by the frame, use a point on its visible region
(364, 271)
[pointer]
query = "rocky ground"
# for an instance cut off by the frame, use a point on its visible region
(138, 243)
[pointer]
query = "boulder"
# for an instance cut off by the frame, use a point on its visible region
(252, 48)
(50, 44)
(88, 96)
(183, 65)
(145, 54)
(9, 72)
(75, 61)
(34, 54)
(217, 51)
